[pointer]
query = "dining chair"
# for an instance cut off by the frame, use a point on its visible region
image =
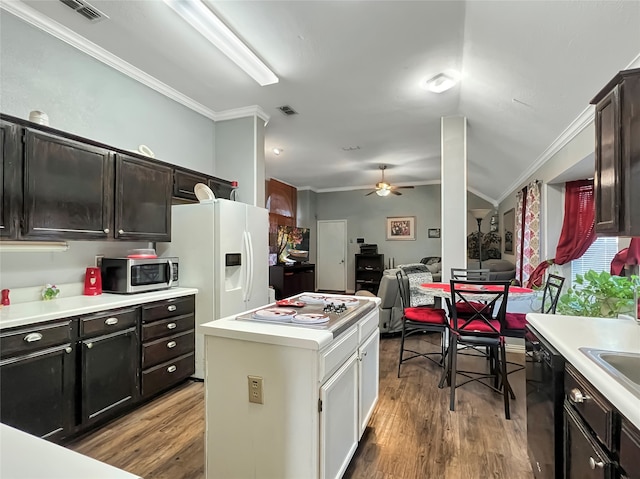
(419, 319)
(464, 274)
(480, 329)
(515, 323)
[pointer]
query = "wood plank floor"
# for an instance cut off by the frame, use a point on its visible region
(411, 434)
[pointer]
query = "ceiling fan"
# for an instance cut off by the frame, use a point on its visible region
(383, 188)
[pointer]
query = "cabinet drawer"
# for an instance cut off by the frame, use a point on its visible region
(334, 356)
(367, 326)
(167, 374)
(35, 338)
(590, 404)
(167, 309)
(156, 352)
(168, 326)
(107, 322)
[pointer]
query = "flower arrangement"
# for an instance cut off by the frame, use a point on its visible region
(50, 291)
(599, 295)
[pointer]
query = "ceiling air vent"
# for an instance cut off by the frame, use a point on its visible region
(287, 110)
(88, 11)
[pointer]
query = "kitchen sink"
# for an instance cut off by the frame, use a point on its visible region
(623, 367)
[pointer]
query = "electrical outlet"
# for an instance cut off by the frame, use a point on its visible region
(98, 261)
(255, 389)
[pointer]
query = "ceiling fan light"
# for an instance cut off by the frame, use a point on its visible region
(383, 192)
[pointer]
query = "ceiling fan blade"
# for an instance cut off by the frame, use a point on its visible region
(370, 193)
(396, 193)
(398, 187)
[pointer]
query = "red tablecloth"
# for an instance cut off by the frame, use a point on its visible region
(446, 287)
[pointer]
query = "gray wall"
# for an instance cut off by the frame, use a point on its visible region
(366, 218)
(86, 97)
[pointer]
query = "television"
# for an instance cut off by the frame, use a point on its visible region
(293, 245)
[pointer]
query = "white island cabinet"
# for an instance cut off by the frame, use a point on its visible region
(319, 388)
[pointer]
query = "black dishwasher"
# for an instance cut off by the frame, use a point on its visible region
(545, 397)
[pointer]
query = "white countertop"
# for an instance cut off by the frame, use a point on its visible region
(39, 311)
(23, 456)
(569, 333)
(272, 333)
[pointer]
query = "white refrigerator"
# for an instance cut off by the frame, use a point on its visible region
(223, 248)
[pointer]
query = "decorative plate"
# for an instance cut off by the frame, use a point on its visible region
(274, 314)
(310, 318)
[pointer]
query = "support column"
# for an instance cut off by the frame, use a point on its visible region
(453, 191)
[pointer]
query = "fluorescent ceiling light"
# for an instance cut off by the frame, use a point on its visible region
(200, 17)
(441, 82)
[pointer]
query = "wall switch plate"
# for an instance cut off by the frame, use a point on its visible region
(98, 261)
(255, 390)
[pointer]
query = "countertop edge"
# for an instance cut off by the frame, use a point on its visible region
(26, 314)
(622, 399)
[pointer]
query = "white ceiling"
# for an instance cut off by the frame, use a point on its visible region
(352, 70)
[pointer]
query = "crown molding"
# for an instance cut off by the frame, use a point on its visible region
(55, 29)
(483, 196)
(580, 123)
(253, 110)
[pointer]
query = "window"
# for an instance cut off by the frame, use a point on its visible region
(598, 257)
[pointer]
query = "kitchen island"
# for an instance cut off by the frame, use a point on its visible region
(314, 389)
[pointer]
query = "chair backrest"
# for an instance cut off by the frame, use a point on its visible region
(480, 299)
(403, 289)
(552, 290)
(465, 274)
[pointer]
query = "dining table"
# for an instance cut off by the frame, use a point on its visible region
(516, 293)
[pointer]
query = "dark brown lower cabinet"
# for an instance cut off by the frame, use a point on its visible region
(291, 280)
(109, 374)
(37, 391)
(584, 457)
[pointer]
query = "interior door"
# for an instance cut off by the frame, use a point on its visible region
(331, 265)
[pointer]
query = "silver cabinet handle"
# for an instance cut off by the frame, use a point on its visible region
(171, 344)
(106, 230)
(171, 369)
(111, 321)
(68, 349)
(171, 326)
(89, 345)
(173, 307)
(593, 463)
(121, 232)
(33, 337)
(576, 396)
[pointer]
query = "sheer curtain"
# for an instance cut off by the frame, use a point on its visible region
(528, 231)
(578, 228)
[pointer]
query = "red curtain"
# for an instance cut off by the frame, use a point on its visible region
(630, 255)
(578, 228)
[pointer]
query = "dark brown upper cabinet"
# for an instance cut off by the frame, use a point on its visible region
(617, 152)
(220, 188)
(68, 188)
(10, 187)
(143, 200)
(184, 182)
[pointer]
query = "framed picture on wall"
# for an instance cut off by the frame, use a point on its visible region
(401, 228)
(509, 223)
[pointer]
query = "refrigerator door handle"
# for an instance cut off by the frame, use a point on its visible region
(245, 266)
(250, 264)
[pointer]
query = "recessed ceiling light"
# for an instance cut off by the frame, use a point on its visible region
(277, 151)
(441, 82)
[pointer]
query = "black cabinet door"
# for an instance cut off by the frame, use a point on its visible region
(607, 187)
(109, 366)
(37, 392)
(584, 458)
(68, 188)
(220, 188)
(143, 200)
(184, 182)
(10, 189)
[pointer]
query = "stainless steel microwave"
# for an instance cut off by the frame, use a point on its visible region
(137, 275)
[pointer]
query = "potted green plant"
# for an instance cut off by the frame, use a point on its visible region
(599, 295)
